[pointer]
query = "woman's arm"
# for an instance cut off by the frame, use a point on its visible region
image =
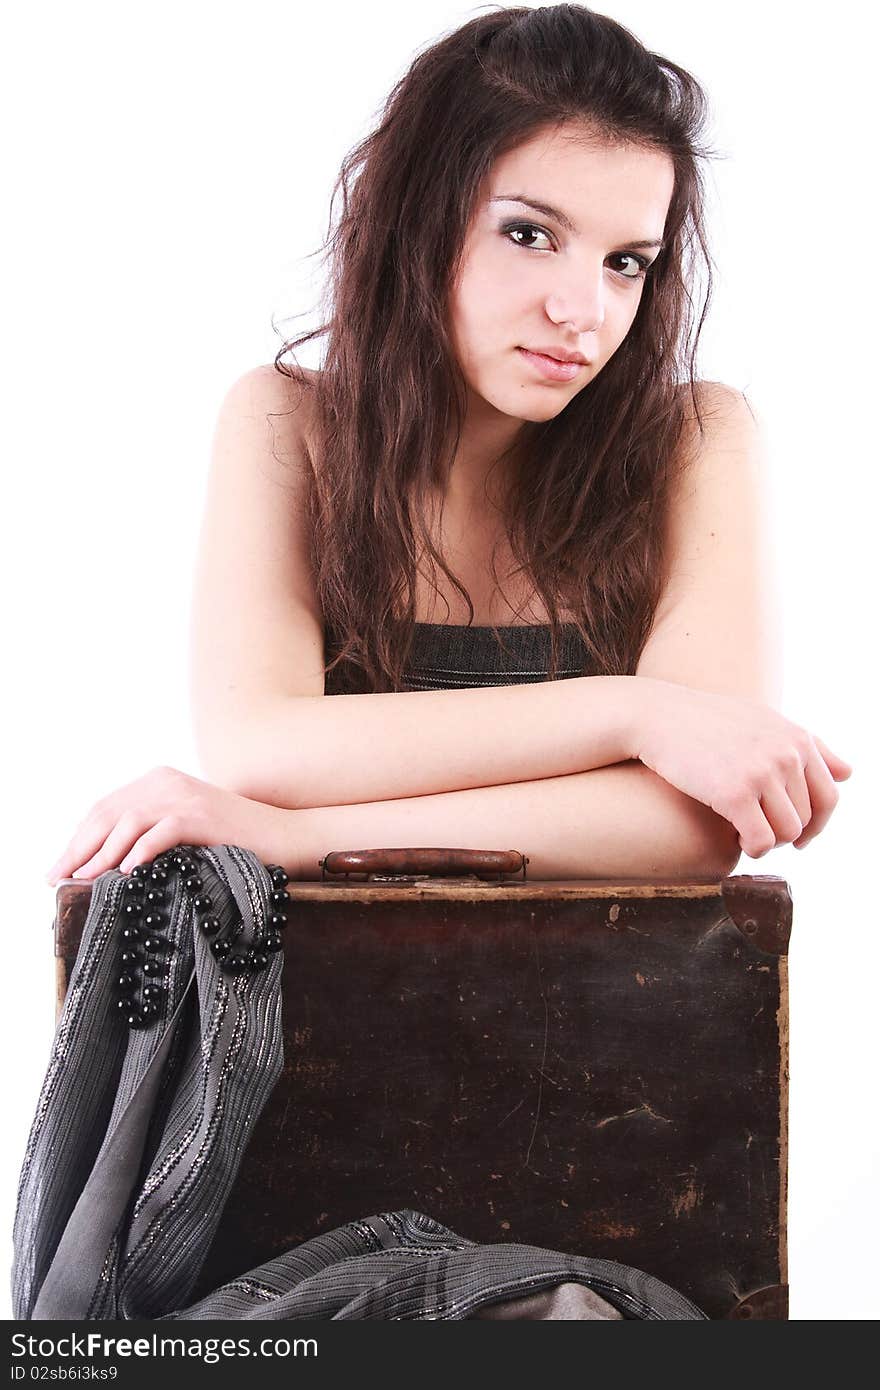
(614, 822)
(315, 750)
(622, 821)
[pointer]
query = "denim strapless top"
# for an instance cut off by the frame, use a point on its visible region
(452, 656)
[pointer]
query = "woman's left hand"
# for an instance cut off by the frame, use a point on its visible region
(165, 808)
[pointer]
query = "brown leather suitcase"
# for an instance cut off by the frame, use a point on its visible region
(584, 1065)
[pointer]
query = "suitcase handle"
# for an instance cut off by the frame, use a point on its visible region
(420, 862)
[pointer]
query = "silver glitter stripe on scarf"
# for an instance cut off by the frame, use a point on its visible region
(138, 1136)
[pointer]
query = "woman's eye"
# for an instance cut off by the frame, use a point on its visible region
(528, 229)
(638, 264)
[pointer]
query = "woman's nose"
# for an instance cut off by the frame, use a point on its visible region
(580, 303)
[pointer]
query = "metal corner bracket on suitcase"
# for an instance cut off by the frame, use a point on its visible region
(596, 1066)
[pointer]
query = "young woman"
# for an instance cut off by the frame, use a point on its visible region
(505, 525)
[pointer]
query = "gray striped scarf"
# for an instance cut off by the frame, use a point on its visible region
(139, 1132)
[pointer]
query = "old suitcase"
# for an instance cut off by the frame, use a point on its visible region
(589, 1066)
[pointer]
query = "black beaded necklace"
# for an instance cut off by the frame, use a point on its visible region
(144, 920)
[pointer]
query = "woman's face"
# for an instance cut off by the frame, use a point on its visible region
(566, 281)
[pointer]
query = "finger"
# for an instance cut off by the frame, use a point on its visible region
(87, 839)
(824, 796)
(839, 768)
(117, 843)
(798, 794)
(788, 808)
(756, 835)
(166, 834)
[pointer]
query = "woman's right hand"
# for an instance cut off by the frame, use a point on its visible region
(771, 779)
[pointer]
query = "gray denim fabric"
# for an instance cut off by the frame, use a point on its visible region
(138, 1136)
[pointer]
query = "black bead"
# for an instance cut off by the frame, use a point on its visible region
(154, 896)
(158, 875)
(140, 870)
(202, 902)
(210, 925)
(154, 919)
(273, 942)
(133, 909)
(235, 964)
(149, 1011)
(131, 957)
(259, 961)
(280, 898)
(133, 885)
(279, 878)
(153, 967)
(135, 1021)
(124, 1004)
(278, 921)
(154, 992)
(220, 948)
(158, 943)
(131, 934)
(193, 883)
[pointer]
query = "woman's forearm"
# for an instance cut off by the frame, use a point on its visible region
(321, 751)
(620, 821)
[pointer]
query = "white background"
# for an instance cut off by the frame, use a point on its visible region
(168, 170)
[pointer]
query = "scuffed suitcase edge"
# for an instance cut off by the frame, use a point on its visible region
(759, 905)
(771, 1302)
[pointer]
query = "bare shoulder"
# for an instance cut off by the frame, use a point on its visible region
(268, 402)
(718, 625)
(721, 461)
(716, 413)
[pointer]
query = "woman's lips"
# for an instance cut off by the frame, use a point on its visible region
(551, 367)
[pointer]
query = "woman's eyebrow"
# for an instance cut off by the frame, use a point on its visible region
(561, 217)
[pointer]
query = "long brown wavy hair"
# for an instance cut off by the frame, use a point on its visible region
(586, 526)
